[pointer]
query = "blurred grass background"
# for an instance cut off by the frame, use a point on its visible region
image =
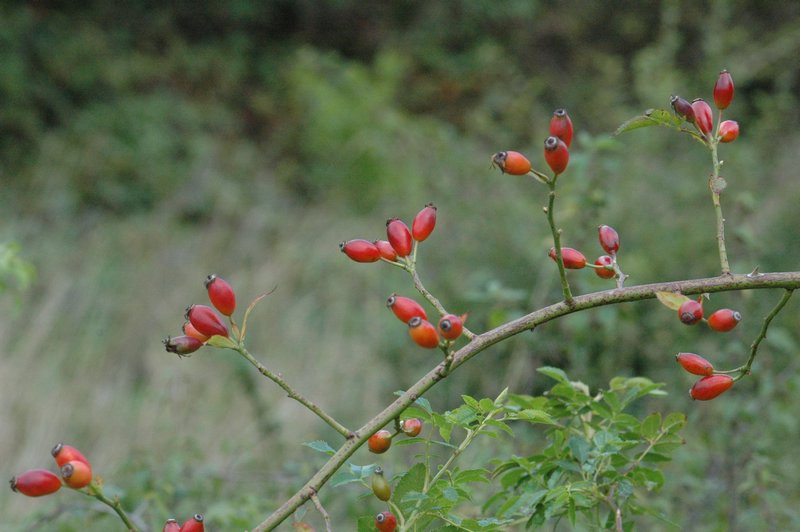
(146, 145)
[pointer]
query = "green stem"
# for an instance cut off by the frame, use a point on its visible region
(412, 270)
(715, 197)
(745, 370)
(292, 393)
(96, 492)
(557, 240)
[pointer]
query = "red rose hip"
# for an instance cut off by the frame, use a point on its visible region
(221, 294)
(723, 90)
(405, 308)
(380, 442)
(556, 154)
(386, 250)
(411, 426)
(702, 115)
(710, 387)
(189, 330)
(63, 453)
(423, 333)
(399, 236)
(604, 262)
(511, 162)
(424, 223)
(561, 126)
(171, 526)
(181, 345)
(573, 259)
(690, 312)
(724, 320)
(206, 321)
(683, 108)
(36, 483)
(728, 131)
(360, 250)
(385, 522)
(451, 326)
(76, 474)
(193, 524)
(609, 239)
(694, 364)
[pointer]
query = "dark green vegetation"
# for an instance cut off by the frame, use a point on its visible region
(145, 147)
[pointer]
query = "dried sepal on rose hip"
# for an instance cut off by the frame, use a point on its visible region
(728, 131)
(605, 267)
(405, 308)
(76, 474)
(360, 250)
(380, 442)
(572, 258)
(694, 364)
(63, 454)
(724, 320)
(380, 486)
(723, 90)
(511, 162)
(182, 345)
(424, 222)
(682, 108)
(399, 236)
(193, 524)
(710, 387)
(556, 154)
(690, 312)
(206, 320)
(423, 333)
(451, 326)
(385, 522)
(221, 294)
(561, 126)
(36, 483)
(703, 118)
(411, 426)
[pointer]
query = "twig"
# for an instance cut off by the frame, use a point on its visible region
(745, 370)
(321, 510)
(557, 240)
(96, 492)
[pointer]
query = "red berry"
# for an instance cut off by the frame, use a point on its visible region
(66, 453)
(561, 126)
(694, 364)
(424, 222)
(206, 320)
(423, 332)
(380, 486)
(385, 522)
(171, 526)
(690, 312)
(556, 154)
(405, 308)
(36, 483)
(573, 259)
(399, 236)
(511, 162)
(702, 115)
(189, 330)
(723, 90)
(609, 239)
(724, 320)
(728, 131)
(451, 326)
(710, 387)
(380, 442)
(411, 426)
(682, 108)
(182, 345)
(602, 272)
(76, 474)
(386, 250)
(221, 294)
(360, 250)
(195, 524)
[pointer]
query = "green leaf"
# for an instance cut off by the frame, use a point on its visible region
(653, 478)
(672, 300)
(554, 373)
(366, 523)
(419, 401)
(412, 481)
(534, 416)
(674, 422)
(471, 475)
(471, 402)
(571, 511)
(486, 405)
(450, 494)
(651, 117)
(500, 425)
(222, 342)
(413, 411)
(580, 448)
(651, 426)
(320, 446)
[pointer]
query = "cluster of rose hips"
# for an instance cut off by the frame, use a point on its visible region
(193, 524)
(203, 322)
(605, 266)
(421, 331)
(723, 320)
(75, 472)
(556, 150)
(699, 114)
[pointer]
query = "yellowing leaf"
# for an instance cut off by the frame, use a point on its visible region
(672, 300)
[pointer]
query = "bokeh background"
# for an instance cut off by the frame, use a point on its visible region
(144, 145)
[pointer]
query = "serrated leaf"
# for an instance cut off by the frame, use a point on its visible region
(419, 401)
(471, 475)
(580, 448)
(674, 422)
(500, 425)
(366, 523)
(554, 373)
(651, 117)
(412, 481)
(672, 300)
(471, 402)
(320, 446)
(408, 441)
(651, 426)
(486, 405)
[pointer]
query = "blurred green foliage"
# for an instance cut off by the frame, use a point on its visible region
(144, 145)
